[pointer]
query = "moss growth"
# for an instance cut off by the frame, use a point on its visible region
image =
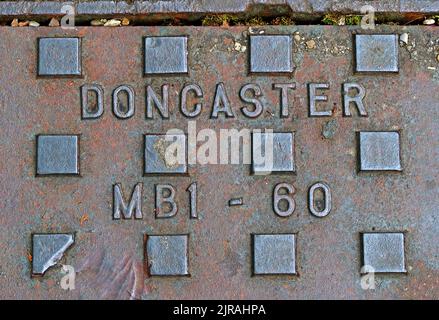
(353, 20)
(211, 21)
(340, 20)
(219, 20)
(331, 19)
(231, 20)
(282, 21)
(255, 21)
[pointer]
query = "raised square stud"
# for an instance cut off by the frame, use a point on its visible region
(274, 254)
(376, 53)
(48, 249)
(165, 153)
(57, 154)
(384, 252)
(167, 255)
(273, 152)
(379, 151)
(271, 54)
(165, 55)
(59, 57)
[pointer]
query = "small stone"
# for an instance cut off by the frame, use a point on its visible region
(404, 38)
(437, 58)
(112, 23)
(54, 22)
(342, 21)
(252, 30)
(125, 22)
(429, 21)
(99, 22)
(33, 24)
(239, 47)
(23, 23)
(297, 37)
(14, 23)
(311, 44)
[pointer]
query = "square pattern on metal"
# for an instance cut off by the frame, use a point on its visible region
(384, 252)
(57, 154)
(59, 57)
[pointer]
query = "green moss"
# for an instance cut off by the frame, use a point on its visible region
(330, 19)
(255, 21)
(231, 20)
(219, 20)
(335, 20)
(212, 20)
(234, 20)
(282, 21)
(353, 20)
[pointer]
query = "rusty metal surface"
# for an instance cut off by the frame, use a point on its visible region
(191, 10)
(109, 255)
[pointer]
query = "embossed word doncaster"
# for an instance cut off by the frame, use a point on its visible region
(251, 94)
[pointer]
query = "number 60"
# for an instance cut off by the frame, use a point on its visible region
(283, 192)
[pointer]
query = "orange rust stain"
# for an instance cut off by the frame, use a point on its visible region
(29, 257)
(411, 17)
(228, 41)
(50, 283)
(225, 24)
(83, 219)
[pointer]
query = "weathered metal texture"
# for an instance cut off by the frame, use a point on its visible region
(376, 53)
(57, 154)
(271, 54)
(165, 55)
(384, 252)
(156, 160)
(47, 250)
(109, 255)
(380, 151)
(59, 57)
(190, 10)
(282, 146)
(274, 254)
(167, 255)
